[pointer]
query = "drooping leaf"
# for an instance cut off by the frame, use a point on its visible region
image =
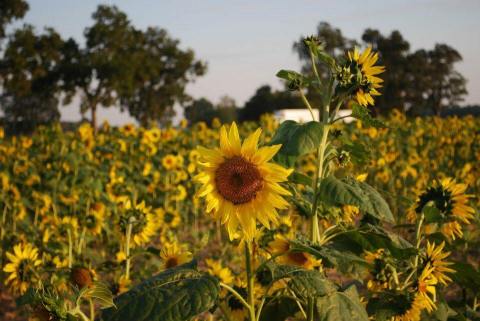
(100, 293)
(279, 309)
(341, 306)
(174, 295)
(349, 191)
(371, 238)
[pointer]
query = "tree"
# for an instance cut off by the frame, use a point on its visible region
(102, 71)
(160, 73)
(204, 110)
(267, 101)
(438, 84)
(144, 72)
(393, 51)
(31, 78)
(200, 110)
(11, 10)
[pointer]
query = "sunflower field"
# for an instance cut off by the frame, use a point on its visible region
(371, 220)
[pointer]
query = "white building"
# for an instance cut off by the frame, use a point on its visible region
(303, 115)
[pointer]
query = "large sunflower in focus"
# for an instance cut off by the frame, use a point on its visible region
(362, 72)
(239, 183)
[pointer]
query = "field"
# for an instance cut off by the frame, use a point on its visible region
(121, 205)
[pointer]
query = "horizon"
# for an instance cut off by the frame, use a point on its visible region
(256, 39)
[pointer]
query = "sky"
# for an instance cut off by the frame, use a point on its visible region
(245, 42)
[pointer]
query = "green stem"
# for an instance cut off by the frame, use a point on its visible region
(70, 248)
(235, 294)
(250, 282)
(310, 309)
(127, 249)
(314, 66)
(307, 104)
(92, 309)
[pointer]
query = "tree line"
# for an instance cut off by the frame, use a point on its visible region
(145, 72)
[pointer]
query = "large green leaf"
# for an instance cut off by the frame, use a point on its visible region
(349, 191)
(174, 295)
(305, 283)
(296, 139)
(466, 276)
(341, 306)
(371, 238)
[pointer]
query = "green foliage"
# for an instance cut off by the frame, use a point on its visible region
(362, 113)
(177, 294)
(466, 275)
(296, 139)
(348, 191)
(11, 10)
(304, 283)
(99, 293)
(370, 238)
(341, 306)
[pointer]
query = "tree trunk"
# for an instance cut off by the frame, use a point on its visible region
(93, 120)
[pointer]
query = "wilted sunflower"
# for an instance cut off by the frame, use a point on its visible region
(173, 255)
(23, 262)
(361, 73)
(239, 183)
(435, 258)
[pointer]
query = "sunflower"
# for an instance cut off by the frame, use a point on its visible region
(426, 287)
(169, 162)
(223, 273)
(280, 246)
(173, 255)
(144, 222)
(413, 312)
(435, 256)
(450, 199)
(23, 262)
(359, 76)
(239, 184)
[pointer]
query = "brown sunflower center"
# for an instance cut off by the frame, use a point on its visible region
(238, 180)
(299, 258)
(171, 262)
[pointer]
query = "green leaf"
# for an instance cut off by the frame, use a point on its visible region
(344, 261)
(362, 113)
(432, 214)
(300, 178)
(279, 309)
(349, 191)
(341, 306)
(177, 294)
(371, 238)
(99, 293)
(466, 276)
(288, 75)
(296, 139)
(304, 283)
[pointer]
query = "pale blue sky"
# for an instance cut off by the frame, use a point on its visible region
(246, 42)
